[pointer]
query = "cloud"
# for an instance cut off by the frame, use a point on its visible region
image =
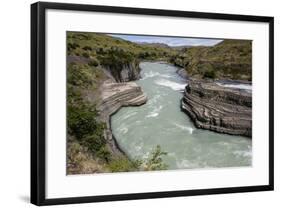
(171, 41)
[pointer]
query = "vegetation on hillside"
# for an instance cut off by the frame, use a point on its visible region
(95, 45)
(230, 59)
(112, 53)
(85, 133)
(87, 150)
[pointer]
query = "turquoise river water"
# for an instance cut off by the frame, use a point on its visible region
(161, 122)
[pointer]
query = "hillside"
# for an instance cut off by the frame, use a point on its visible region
(229, 59)
(97, 45)
(96, 62)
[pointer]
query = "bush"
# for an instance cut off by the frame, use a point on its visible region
(155, 162)
(72, 46)
(93, 62)
(104, 154)
(86, 55)
(82, 123)
(94, 142)
(116, 59)
(210, 74)
(87, 48)
(79, 75)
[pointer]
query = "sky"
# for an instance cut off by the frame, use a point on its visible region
(171, 41)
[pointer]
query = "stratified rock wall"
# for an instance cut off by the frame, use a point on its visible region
(127, 72)
(130, 72)
(113, 97)
(217, 108)
(182, 72)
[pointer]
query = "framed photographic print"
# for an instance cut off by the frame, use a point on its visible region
(134, 103)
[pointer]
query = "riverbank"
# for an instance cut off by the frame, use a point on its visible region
(113, 97)
(217, 108)
(161, 122)
(220, 105)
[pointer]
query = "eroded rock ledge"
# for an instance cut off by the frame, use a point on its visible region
(113, 97)
(217, 108)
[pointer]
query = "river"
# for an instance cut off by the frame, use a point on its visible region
(161, 122)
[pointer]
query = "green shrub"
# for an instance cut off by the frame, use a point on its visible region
(87, 48)
(155, 161)
(93, 62)
(104, 154)
(95, 141)
(79, 75)
(210, 74)
(86, 55)
(100, 50)
(82, 123)
(72, 46)
(116, 58)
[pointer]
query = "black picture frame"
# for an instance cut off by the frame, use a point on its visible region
(38, 102)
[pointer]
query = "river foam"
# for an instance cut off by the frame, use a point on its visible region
(155, 112)
(185, 128)
(173, 85)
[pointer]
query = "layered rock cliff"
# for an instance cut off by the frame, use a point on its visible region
(182, 72)
(127, 72)
(113, 97)
(217, 108)
(124, 72)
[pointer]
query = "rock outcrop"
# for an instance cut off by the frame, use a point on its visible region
(113, 97)
(182, 72)
(130, 72)
(126, 72)
(121, 73)
(217, 108)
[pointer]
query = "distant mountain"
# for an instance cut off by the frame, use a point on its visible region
(161, 45)
(182, 48)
